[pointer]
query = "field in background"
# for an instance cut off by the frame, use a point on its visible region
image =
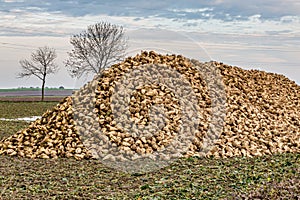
(34, 94)
(267, 177)
(30, 99)
(30, 89)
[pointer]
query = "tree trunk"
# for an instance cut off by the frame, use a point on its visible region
(43, 88)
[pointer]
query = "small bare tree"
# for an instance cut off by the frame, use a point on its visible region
(96, 48)
(41, 65)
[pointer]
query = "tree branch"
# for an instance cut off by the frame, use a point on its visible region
(94, 49)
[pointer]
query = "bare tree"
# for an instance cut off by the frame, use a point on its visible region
(40, 65)
(96, 48)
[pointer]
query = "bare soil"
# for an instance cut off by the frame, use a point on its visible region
(31, 98)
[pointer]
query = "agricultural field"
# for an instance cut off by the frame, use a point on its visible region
(265, 177)
(33, 94)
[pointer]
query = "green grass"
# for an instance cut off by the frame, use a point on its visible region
(267, 177)
(24, 109)
(12, 110)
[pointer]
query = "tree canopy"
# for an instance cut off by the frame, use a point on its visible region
(41, 64)
(96, 48)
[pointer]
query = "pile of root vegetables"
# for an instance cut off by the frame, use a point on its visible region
(261, 115)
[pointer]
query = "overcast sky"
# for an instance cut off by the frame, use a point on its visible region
(251, 34)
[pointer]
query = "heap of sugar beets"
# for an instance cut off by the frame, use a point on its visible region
(262, 114)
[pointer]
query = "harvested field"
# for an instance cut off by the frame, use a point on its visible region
(35, 95)
(266, 177)
(257, 150)
(49, 93)
(30, 98)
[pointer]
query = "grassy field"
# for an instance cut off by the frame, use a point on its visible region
(267, 177)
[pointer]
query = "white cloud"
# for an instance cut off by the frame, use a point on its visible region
(192, 10)
(13, 1)
(226, 16)
(52, 23)
(255, 18)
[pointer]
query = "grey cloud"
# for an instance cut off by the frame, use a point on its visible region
(191, 24)
(219, 9)
(188, 13)
(278, 32)
(267, 9)
(4, 31)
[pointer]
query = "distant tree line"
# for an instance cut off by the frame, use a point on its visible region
(39, 88)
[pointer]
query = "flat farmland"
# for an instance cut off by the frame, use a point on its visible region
(265, 177)
(33, 95)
